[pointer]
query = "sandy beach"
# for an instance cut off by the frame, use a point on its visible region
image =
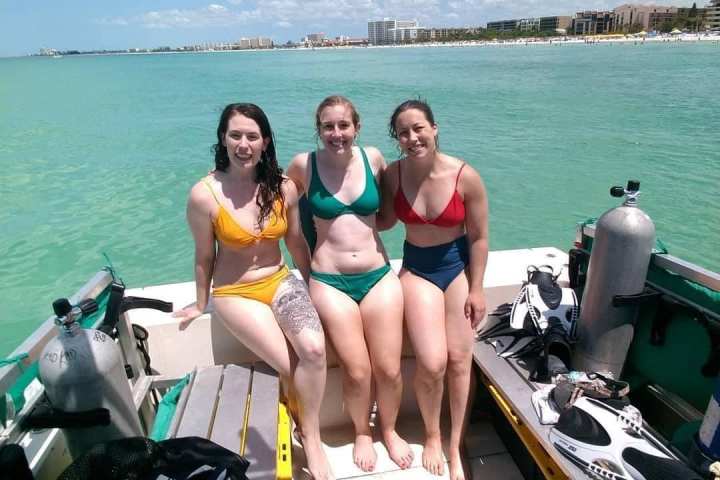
(562, 40)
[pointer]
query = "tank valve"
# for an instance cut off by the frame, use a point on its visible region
(66, 314)
(631, 192)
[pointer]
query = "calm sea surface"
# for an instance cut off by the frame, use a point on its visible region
(97, 153)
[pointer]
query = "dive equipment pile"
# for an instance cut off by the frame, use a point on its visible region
(540, 321)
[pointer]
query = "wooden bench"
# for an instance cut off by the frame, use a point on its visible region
(235, 406)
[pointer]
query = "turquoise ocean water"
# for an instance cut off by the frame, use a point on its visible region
(97, 153)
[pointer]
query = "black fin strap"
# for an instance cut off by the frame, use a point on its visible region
(666, 310)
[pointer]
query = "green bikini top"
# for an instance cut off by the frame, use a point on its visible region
(324, 205)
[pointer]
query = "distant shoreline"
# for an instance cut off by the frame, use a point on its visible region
(588, 40)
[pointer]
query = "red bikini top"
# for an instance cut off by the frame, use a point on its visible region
(454, 213)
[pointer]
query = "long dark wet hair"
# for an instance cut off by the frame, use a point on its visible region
(416, 104)
(268, 174)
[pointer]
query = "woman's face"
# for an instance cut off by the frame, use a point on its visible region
(337, 130)
(415, 134)
(244, 141)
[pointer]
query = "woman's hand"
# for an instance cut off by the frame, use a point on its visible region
(475, 307)
(187, 315)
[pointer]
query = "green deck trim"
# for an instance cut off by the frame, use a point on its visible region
(166, 410)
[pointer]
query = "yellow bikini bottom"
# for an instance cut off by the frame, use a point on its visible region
(262, 290)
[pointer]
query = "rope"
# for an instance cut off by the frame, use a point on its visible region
(110, 267)
(12, 360)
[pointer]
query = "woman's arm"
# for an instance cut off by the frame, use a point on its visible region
(476, 224)
(386, 217)
(200, 223)
(294, 238)
(297, 171)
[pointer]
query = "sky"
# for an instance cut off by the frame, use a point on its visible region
(29, 25)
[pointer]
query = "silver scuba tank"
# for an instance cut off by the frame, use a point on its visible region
(624, 238)
(82, 371)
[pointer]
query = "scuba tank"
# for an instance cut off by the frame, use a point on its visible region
(84, 377)
(624, 239)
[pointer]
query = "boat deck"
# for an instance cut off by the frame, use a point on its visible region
(208, 343)
(507, 381)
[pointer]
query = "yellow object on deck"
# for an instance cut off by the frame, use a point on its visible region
(284, 444)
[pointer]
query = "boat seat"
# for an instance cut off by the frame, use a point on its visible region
(235, 406)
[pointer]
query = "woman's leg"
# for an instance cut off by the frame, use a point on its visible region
(300, 323)
(382, 317)
(460, 341)
(340, 316)
(254, 324)
(424, 314)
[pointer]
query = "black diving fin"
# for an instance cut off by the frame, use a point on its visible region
(613, 444)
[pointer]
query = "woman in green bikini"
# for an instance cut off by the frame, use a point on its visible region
(352, 286)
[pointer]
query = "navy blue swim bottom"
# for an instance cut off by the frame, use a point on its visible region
(439, 264)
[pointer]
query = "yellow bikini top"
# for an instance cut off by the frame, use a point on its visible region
(228, 232)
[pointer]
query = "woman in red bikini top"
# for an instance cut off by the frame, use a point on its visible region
(443, 204)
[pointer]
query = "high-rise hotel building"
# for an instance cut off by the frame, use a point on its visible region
(712, 15)
(387, 31)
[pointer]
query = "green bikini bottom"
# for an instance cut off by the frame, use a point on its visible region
(355, 285)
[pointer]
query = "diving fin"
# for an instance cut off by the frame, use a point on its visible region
(541, 299)
(502, 321)
(555, 355)
(613, 444)
(511, 342)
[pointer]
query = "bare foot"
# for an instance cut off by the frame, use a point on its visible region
(399, 450)
(456, 467)
(432, 456)
(364, 454)
(317, 461)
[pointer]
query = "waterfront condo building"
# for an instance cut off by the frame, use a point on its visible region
(446, 33)
(255, 42)
(537, 24)
(592, 22)
(389, 31)
(642, 17)
(712, 14)
(315, 38)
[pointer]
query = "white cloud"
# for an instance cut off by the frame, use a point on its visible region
(113, 21)
(212, 15)
(336, 15)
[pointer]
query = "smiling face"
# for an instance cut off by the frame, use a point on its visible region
(244, 141)
(415, 133)
(337, 128)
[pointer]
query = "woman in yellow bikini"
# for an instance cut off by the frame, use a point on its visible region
(237, 215)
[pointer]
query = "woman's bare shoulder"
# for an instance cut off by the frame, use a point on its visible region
(300, 160)
(470, 180)
(202, 194)
(289, 190)
(376, 158)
